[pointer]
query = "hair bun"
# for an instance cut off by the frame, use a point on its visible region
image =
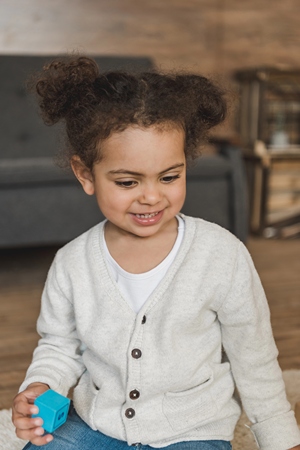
(206, 99)
(64, 85)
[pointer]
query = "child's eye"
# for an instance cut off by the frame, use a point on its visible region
(126, 184)
(169, 178)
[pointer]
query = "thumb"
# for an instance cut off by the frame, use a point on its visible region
(35, 390)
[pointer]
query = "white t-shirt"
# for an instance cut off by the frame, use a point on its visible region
(136, 288)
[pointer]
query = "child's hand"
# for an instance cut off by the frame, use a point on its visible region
(27, 428)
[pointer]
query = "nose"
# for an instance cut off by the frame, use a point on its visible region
(150, 194)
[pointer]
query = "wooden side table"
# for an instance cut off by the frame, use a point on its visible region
(274, 188)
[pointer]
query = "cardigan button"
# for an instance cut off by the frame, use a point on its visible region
(130, 413)
(134, 395)
(144, 320)
(136, 353)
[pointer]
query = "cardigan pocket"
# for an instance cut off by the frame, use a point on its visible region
(85, 397)
(186, 409)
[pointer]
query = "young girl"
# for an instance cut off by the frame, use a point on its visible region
(137, 311)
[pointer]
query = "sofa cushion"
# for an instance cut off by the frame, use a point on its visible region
(209, 166)
(32, 171)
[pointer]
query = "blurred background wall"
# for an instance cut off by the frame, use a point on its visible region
(214, 37)
(210, 36)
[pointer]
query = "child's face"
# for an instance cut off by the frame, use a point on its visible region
(140, 183)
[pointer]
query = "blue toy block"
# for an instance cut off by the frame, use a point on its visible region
(53, 409)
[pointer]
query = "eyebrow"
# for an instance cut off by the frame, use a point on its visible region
(130, 172)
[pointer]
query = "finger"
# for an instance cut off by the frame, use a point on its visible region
(29, 395)
(36, 435)
(23, 408)
(42, 440)
(24, 423)
(30, 434)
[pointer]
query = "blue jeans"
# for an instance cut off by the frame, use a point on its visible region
(75, 434)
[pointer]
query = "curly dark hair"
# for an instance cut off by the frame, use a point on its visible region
(94, 105)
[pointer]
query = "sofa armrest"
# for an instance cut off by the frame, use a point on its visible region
(239, 191)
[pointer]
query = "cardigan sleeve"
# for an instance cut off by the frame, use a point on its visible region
(57, 360)
(249, 344)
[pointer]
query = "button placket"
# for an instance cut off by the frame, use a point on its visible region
(133, 384)
(136, 353)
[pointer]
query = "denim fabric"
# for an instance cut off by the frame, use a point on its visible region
(75, 434)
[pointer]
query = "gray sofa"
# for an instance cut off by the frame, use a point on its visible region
(217, 190)
(43, 205)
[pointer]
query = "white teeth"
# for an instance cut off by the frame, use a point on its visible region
(146, 216)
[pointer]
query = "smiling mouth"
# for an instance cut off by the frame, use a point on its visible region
(146, 216)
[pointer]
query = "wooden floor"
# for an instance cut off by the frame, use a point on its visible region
(22, 274)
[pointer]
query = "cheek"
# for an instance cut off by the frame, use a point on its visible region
(177, 198)
(113, 200)
(180, 193)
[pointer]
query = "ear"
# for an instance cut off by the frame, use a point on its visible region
(83, 175)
